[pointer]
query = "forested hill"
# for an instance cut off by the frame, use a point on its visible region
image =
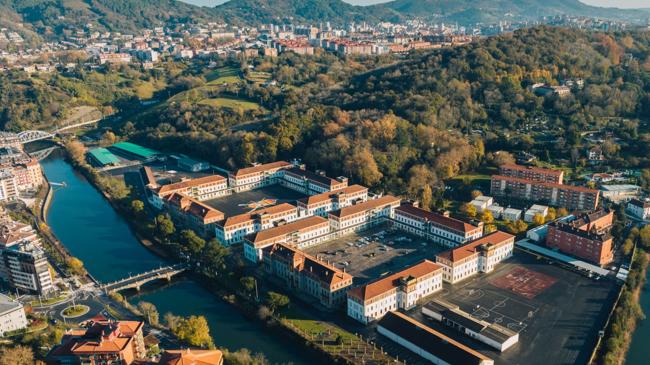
(492, 11)
(303, 11)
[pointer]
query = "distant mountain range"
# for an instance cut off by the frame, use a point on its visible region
(54, 17)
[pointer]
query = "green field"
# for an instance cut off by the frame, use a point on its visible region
(231, 103)
(224, 75)
(258, 77)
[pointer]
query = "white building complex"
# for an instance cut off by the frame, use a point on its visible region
(363, 215)
(12, 315)
(480, 255)
(301, 233)
(202, 188)
(401, 290)
(233, 229)
(492, 334)
(254, 177)
(439, 228)
(639, 208)
(323, 203)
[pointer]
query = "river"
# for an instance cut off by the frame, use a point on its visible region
(639, 351)
(92, 231)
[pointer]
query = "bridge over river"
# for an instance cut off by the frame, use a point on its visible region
(137, 281)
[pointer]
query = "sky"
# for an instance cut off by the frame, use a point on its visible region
(605, 3)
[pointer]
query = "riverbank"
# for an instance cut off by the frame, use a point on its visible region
(626, 314)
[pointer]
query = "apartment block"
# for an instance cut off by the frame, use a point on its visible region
(8, 186)
(12, 315)
(586, 237)
(193, 214)
(568, 196)
(307, 274)
(322, 204)
(401, 290)
(202, 188)
(478, 256)
(363, 215)
(301, 233)
(439, 228)
(254, 177)
(532, 173)
(233, 229)
(307, 182)
(639, 208)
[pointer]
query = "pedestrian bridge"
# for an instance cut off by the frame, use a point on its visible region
(137, 281)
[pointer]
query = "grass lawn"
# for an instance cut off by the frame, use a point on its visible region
(258, 77)
(76, 311)
(231, 103)
(60, 298)
(225, 80)
(314, 327)
(222, 72)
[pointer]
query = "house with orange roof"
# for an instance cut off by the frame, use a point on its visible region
(233, 229)
(480, 255)
(257, 176)
(305, 273)
(100, 341)
(363, 215)
(191, 213)
(400, 290)
(439, 228)
(301, 233)
(322, 204)
(191, 357)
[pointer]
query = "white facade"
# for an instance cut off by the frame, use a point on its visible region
(496, 211)
(511, 214)
(421, 223)
(231, 234)
(639, 209)
(534, 210)
(304, 237)
(482, 202)
(12, 315)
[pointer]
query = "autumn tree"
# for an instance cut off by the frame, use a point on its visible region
(276, 300)
(76, 266)
(19, 355)
(487, 217)
(469, 210)
(363, 166)
(195, 331)
(538, 219)
(150, 312)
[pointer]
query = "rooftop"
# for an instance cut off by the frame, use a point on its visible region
(314, 199)
(364, 206)
(250, 216)
(104, 156)
(212, 179)
(263, 167)
(462, 252)
(382, 285)
(191, 357)
(135, 149)
(279, 231)
(545, 184)
(535, 169)
(449, 222)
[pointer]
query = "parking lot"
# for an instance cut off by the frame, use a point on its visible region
(376, 252)
(549, 306)
(239, 203)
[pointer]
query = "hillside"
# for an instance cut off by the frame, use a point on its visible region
(305, 11)
(490, 11)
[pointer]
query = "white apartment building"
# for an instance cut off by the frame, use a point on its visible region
(307, 182)
(363, 215)
(27, 269)
(300, 233)
(8, 186)
(439, 228)
(639, 208)
(203, 188)
(401, 290)
(12, 315)
(480, 255)
(323, 203)
(257, 176)
(234, 229)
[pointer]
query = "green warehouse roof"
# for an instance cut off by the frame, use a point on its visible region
(132, 148)
(104, 156)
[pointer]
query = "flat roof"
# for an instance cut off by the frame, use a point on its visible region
(135, 149)
(103, 156)
(525, 243)
(431, 341)
(539, 170)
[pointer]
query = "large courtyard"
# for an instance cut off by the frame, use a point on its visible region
(375, 252)
(247, 201)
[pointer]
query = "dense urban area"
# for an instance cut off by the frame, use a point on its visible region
(277, 182)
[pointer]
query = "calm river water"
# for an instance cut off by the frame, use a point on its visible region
(639, 353)
(89, 227)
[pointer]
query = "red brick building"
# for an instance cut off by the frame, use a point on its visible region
(586, 237)
(532, 173)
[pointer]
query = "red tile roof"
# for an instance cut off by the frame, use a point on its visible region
(367, 205)
(545, 184)
(451, 223)
(381, 286)
(462, 252)
(170, 188)
(318, 198)
(264, 167)
(301, 225)
(248, 217)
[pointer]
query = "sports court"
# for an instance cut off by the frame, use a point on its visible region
(248, 201)
(524, 282)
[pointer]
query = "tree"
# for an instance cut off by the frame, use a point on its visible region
(213, 258)
(476, 194)
(248, 283)
(487, 217)
(277, 300)
(551, 215)
(538, 219)
(76, 266)
(644, 237)
(19, 355)
(502, 158)
(171, 320)
(150, 312)
(195, 331)
(192, 243)
(427, 197)
(628, 246)
(108, 139)
(164, 227)
(469, 210)
(562, 212)
(362, 165)
(137, 207)
(489, 228)
(77, 151)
